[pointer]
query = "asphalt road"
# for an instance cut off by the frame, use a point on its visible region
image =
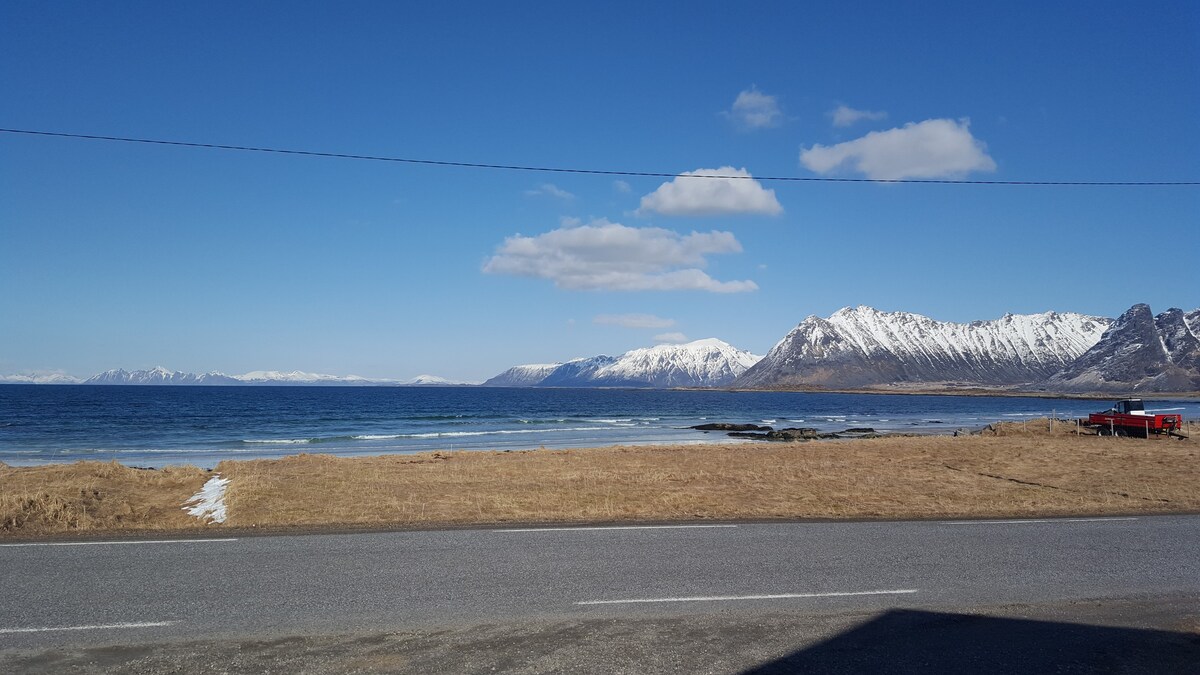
(829, 577)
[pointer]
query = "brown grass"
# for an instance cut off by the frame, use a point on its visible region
(88, 496)
(1015, 471)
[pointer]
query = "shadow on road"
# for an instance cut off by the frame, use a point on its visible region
(910, 641)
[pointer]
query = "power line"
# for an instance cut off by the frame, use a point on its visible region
(594, 172)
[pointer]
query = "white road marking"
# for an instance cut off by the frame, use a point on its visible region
(148, 624)
(118, 543)
(716, 598)
(1042, 520)
(615, 527)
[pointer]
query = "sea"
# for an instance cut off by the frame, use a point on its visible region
(154, 426)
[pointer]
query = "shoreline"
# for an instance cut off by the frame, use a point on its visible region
(974, 392)
(1014, 471)
(915, 390)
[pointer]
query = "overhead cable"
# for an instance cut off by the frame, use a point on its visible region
(594, 172)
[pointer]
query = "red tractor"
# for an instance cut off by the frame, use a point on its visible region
(1129, 418)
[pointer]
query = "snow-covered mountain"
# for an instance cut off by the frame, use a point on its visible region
(862, 346)
(162, 375)
(159, 375)
(432, 381)
(577, 372)
(1139, 352)
(522, 376)
(703, 363)
(39, 378)
(298, 377)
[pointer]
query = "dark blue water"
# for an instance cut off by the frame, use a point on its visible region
(156, 426)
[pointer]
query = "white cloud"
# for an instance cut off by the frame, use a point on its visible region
(844, 116)
(753, 109)
(550, 190)
(621, 186)
(938, 148)
(672, 338)
(691, 194)
(609, 256)
(633, 320)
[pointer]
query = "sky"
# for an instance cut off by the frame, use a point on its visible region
(134, 255)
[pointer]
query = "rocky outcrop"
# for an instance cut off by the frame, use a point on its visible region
(1139, 352)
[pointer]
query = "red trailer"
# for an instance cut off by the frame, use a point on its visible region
(1129, 418)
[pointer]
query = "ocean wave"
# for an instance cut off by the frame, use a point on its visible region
(457, 416)
(131, 451)
(456, 434)
(280, 441)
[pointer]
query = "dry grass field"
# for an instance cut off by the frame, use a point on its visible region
(1012, 470)
(91, 496)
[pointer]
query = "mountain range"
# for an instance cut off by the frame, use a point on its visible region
(702, 363)
(163, 376)
(861, 346)
(854, 348)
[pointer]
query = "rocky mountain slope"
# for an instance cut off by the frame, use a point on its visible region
(861, 346)
(523, 376)
(1140, 352)
(702, 363)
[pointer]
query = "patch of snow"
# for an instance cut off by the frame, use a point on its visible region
(209, 502)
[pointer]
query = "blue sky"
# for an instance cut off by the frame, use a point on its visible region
(118, 255)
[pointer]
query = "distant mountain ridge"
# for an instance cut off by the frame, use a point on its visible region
(164, 376)
(39, 378)
(862, 346)
(701, 363)
(855, 347)
(159, 375)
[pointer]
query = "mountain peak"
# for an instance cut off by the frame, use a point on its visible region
(1138, 352)
(708, 362)
(862, 346)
